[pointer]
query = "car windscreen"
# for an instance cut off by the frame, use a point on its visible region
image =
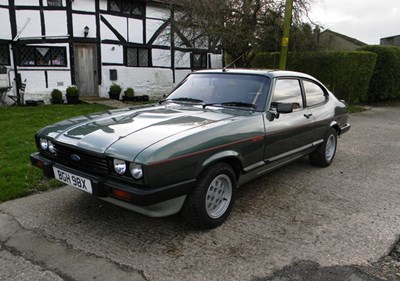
(222, 89)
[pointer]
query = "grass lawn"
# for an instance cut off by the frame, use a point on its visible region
(18, 126)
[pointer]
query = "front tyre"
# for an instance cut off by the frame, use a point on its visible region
(324, 154)
(210, 203)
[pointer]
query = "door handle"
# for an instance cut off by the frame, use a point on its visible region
(308, 115)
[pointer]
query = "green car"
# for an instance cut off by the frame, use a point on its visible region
(215, 132)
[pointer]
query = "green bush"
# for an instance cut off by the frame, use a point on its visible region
(115, 89)
(129, 92)
(56, 94)
(384, 83)
(72, 91)
(346, 74)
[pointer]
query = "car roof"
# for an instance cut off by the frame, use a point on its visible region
(273, 73)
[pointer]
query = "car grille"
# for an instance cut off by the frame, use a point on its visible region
(87, 162)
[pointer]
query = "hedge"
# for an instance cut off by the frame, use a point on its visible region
(384, 83)
(346, 74)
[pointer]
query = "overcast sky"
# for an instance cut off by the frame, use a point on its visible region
(365, 20)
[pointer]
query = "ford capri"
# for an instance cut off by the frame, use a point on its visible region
(216, 131)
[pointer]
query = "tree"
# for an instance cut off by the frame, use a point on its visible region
(239, 27)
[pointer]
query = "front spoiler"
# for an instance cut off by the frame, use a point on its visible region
(102, 185)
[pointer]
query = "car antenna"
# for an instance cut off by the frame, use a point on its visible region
(232, 63)
(238, 58)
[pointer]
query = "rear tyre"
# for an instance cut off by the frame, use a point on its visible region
(211, 201)
(324, 154)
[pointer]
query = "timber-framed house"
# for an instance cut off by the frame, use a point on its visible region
(93, 43)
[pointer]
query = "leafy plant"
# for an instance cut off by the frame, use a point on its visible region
(115, 89)
(129, 92)
(56, 94)
(72, 91)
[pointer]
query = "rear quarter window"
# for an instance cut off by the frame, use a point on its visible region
(314, 93)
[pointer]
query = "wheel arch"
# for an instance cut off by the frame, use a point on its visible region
(232, 158)
(335, 125)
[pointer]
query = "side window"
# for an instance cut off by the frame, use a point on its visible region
(314, 93)
(287, 91)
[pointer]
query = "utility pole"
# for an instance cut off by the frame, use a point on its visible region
(286, 30)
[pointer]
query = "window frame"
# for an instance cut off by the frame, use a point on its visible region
(305, 93)
(35, 59)
(59, 4)
(149, 57)
(203, 59)
(131, 4)
(7, 53)
(300, 82)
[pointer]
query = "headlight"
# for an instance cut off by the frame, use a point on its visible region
(44, 144)
(52, 149)
(119, 166)
(136, 171)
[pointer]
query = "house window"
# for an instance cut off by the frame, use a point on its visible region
(43, 56)
(4, 54)
(199, 60)
(138, 57)
(135, 8)
(54, 3)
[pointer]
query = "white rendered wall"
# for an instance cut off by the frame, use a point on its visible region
(33, 28)
(119, 23)
(157, 13)
(57, 77)
(106, 33)
(182, 59)
(81, 21)
(111, 53)
(56, 23)
(216, 60)
(26, 2)
(135, 27)
(5, 30)
(154, 82)
(161, 57)
(87, 6)
(151, 27)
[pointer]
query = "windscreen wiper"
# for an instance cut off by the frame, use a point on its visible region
(232, 103)
(184, 99)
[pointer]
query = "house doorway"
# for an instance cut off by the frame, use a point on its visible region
(86, 74)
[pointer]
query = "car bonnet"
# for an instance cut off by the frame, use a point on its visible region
(136, 129)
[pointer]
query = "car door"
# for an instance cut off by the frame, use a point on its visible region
(291, 133)
(316, 97)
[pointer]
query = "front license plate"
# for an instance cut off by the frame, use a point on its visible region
(73, 180)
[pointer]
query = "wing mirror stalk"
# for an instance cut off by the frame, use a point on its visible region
(280, 108)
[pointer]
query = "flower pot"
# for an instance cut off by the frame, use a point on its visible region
(72, 99)
(125, 98)
(56, 101)
(114, 96)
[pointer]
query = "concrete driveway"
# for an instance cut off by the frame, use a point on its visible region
(346, 214)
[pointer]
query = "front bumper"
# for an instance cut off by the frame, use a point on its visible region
(345, 128)
(102, 185)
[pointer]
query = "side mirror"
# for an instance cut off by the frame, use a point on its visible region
(284, 108)
(280, 108)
